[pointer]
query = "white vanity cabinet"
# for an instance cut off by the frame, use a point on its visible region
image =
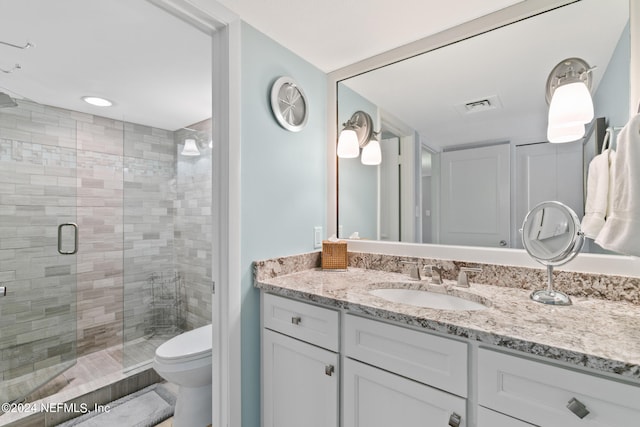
(300, 364)
(395, 376)
(327, 368)
(548, 395)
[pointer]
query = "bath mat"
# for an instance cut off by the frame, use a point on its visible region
(144, 408)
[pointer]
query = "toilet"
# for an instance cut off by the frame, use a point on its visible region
(185, 360)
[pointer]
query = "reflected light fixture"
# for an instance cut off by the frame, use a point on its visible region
(190, 148)
(565, 133)
(358, 133)
(569, 98)
(371, 153)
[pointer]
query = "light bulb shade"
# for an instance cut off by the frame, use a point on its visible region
(571, 105)
(348, 147)
(371, 153)
(565, 133)
(190, 148)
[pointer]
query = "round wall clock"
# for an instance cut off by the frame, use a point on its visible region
(289, 104)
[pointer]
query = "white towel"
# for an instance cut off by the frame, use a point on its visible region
(621, 231)
(598, 191)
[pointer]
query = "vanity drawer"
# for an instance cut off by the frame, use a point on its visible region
(539, 393)
(489, 418)
(432, 360)
(310, 323)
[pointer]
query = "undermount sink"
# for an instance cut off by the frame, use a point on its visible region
(427, 299)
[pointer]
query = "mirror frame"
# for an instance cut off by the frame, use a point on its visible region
(588, 263)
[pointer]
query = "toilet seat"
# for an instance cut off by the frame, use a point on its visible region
(192, 345)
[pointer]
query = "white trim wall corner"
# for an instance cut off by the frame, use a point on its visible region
(590, 263)
(224, 27)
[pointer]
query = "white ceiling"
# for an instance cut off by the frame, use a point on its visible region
(156, 68)
(332, 34)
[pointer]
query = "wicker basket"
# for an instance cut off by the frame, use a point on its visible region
(334, 255)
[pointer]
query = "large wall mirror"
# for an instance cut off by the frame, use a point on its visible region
(463, 130)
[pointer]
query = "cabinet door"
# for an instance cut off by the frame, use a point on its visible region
(300, 385)
(376, 398)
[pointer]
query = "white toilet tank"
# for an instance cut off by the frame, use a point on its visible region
(190, 345)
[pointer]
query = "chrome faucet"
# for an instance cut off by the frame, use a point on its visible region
(463, 280)
(414, 273)
(436, 273)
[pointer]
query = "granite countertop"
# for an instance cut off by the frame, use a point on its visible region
(592, 333)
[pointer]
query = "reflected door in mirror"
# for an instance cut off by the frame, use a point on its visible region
(475, 196)
(548, 172)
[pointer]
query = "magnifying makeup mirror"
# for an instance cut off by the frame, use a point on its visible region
(551, 235)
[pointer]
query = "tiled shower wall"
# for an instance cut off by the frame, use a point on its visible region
(193, 227)
(129, 187)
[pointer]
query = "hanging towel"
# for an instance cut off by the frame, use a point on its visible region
(621, 231)
(597, 205)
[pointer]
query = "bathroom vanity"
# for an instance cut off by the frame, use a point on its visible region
(336, 354)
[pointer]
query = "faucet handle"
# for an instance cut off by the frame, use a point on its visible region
(415, 271)
(436, 273)
(463, 280)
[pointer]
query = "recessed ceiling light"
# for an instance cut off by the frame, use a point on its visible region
(98, 102)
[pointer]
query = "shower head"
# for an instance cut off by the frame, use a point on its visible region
(6, 101)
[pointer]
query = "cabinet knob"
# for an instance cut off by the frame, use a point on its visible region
(577, 408)
(296, 320)
(455, 420)
(328, 370)
(3, 291)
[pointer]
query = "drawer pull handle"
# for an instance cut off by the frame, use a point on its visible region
(455, 420)
(328, 370)
(296, 320)
(577, 408)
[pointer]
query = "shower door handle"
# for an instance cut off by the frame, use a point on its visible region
(75, 238)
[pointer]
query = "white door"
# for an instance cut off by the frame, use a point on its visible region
(300, 383)
(475, 196)
(548, 172)
(376, 398)
(390, 190)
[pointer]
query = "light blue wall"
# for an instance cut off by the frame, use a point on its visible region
(611, 100)
(358, 183)
(283, 184)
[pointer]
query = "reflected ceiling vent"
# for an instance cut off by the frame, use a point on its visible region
(479, 105)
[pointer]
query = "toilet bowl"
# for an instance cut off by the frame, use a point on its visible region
(185, 360)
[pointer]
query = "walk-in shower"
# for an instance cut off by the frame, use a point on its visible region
(105, 227)
(139, 213)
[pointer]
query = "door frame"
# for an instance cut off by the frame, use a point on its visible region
(224, 27)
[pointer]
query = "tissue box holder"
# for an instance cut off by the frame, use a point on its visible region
(334, 255)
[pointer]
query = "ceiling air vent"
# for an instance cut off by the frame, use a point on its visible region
(479, 105)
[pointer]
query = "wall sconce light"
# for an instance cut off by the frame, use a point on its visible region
(195, 142)
(569, 98)
(190, 148)
(371, 153)
(358, 133)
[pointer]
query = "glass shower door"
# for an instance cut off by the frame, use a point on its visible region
(38, 241)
